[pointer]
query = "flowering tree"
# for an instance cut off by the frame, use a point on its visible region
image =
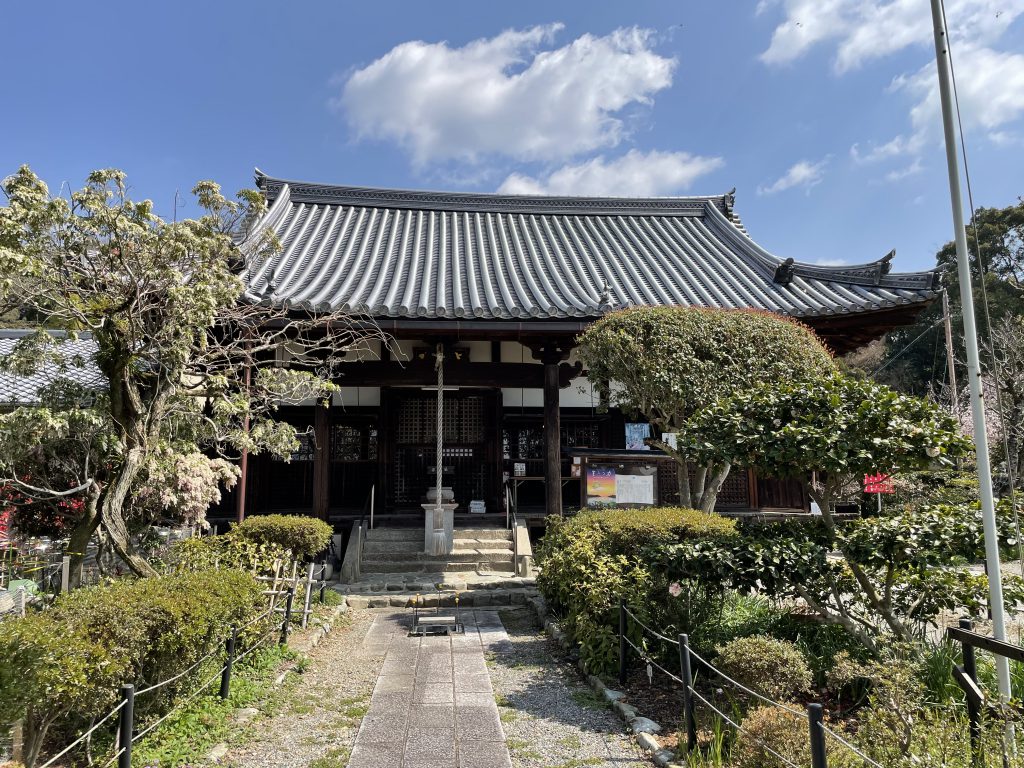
(186, 357)
(668, 363)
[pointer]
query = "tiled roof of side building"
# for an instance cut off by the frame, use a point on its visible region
(437, 255)
(79, 368)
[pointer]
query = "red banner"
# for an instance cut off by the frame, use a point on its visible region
(877, 484)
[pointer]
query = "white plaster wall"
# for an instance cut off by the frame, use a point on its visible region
(514, 397)
(579, 394)
(479, 351)
(353, 397)
(514, 352)
(365, 349)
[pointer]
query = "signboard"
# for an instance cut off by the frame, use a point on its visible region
(621, 485)
(635, 436)
(879, 483)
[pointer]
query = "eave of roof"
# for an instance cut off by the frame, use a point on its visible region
(442, 255)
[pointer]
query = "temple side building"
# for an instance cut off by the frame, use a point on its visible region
(505, 284)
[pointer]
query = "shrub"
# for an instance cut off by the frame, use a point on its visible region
(773, 668)
(591, 561)
(227, 551)
(68, 662)
(304, 536)
(776, 729)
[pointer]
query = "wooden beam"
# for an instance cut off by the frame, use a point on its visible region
(381, 373)
(552, 440)
(321, 461)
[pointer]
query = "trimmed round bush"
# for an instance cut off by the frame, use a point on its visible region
(304, 536)
(784, 733)
(774, 668)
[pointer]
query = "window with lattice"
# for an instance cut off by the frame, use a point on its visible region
(350, 442)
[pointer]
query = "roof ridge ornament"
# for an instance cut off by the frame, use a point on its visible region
(604, 302)
(785, 271)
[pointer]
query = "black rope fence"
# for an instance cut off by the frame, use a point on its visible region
(125, 708)
(688, 658)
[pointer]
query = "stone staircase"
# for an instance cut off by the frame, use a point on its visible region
(388, 551)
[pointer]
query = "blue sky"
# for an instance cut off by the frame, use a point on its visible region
(823, 113)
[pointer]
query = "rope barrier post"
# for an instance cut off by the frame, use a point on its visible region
(225, 676)
(285, 625)
(323, 590)
(125, 726)
(687, 675)
(65, 574)
(973, 711)
(815, 716)
(622, 642)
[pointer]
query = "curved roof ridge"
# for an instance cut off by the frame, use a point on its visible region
(339, 194)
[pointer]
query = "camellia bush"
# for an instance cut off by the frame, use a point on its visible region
(670, 363)
(893, 573)
(593, 560)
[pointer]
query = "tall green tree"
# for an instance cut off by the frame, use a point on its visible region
(187, 359)
(915, 356)
(668, 363)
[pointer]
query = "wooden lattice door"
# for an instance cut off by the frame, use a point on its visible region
(469, 453)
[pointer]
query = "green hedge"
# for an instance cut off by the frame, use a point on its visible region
(304, 536)
(62, 666)
(591, 561)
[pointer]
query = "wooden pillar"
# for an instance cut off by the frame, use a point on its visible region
(321, 461)
(552, 438)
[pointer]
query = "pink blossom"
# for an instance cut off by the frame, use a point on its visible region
(675, 589)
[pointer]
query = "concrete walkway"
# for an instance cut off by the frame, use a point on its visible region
(433, 706)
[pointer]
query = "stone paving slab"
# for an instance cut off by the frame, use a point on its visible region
(433, 705)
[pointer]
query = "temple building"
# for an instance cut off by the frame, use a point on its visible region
(503, 285)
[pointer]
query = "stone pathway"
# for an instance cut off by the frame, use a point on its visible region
(433, 705)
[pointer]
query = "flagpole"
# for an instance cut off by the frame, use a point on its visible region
(995, 581)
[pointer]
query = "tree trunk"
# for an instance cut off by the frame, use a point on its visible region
(112, 515)
(700, 478)
(709, 497)
(80, 536)
(33, 735)
(683, 473)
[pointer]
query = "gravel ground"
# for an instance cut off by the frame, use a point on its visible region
(316, 714)
(551, 718)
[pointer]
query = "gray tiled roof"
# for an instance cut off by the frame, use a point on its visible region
(406, 254)
(24, 390)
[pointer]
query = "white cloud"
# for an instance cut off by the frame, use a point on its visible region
(990, 86)
(827, 262)
(863, 30)
(899, 174)
(803, 174)
(510, 95)
(635, 174)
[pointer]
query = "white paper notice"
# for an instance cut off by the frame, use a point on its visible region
(634, 489)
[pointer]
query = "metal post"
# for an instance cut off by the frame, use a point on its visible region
(622, 642)
(125, 726)
(323, 590)
(988, 511)
(285, 625)
(688, 714)
(225, 676)
(373, 493)
(815, 715)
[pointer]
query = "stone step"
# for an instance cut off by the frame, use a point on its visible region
(386, 546)
(467, 543)
(464, 556)
(432, 566)
(482, 533)
(421, 583)
(395, 534)
(475, 599)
